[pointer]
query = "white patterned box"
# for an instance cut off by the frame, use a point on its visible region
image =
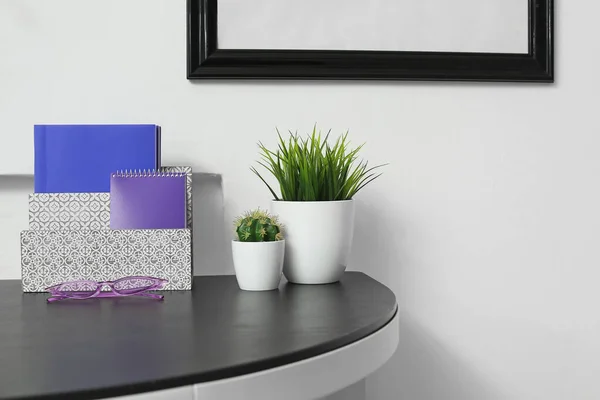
(52, 257)
(72, 211)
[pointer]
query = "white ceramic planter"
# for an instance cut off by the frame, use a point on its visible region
(318, 239)
(258, 265)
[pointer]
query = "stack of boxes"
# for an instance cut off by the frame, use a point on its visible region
(69, 238)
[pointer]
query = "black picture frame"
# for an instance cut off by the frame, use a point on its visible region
(206, 61)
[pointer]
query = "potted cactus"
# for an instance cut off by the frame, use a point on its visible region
(318, 181)
(258, 251)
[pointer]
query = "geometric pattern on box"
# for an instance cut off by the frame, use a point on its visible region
(188, 189)
(52, 257)
(73, 211)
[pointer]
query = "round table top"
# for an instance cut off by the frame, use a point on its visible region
(109, 347)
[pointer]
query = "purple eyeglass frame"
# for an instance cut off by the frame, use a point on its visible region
(57, 294)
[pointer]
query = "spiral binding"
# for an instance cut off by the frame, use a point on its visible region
(146, 173)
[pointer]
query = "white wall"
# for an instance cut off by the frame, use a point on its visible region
(485, 224)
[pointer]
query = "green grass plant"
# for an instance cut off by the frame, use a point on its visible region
(311, 169)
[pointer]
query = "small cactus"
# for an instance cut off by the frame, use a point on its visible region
(258, 226)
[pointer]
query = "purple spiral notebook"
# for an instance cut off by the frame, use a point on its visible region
(147, 200)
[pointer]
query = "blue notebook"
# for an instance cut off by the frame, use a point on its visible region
(81, 158)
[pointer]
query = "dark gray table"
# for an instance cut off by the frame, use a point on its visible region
(110, 347)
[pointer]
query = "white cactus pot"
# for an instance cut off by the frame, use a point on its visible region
(258, 265)
(318, 239)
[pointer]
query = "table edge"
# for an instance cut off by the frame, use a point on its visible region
(224, 373)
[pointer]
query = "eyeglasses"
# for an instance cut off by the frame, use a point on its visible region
(128, 286)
